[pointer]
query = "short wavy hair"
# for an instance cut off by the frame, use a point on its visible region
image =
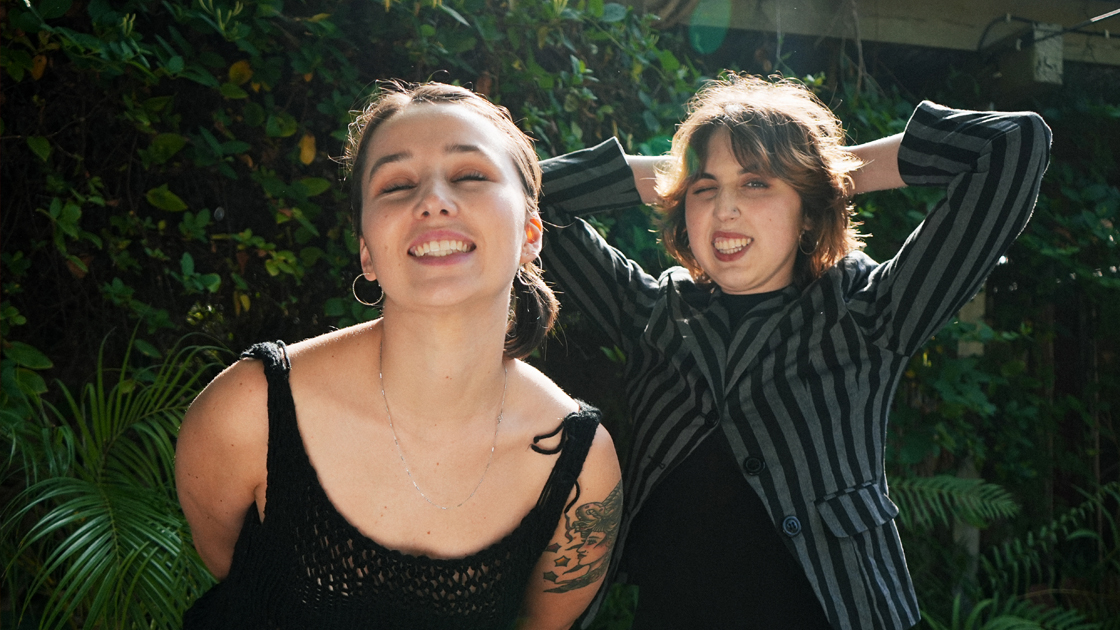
(535, 305)
(781, 128)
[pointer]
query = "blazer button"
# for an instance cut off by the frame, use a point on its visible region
(753, 465)
(711, 420)
(791, 526)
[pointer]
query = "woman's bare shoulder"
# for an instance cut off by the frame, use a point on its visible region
(220, 459)
(541, 397)
(326, 353)
(335, 345)
(236, 402)
(552, 404)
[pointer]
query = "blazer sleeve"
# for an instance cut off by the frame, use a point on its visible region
(606, 286)
(991, 165)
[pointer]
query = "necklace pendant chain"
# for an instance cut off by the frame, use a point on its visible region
(397, 443)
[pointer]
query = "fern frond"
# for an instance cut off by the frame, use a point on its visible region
(1020, 562)
(924, 502)
(1011, 614)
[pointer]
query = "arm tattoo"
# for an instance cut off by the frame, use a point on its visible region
(585, 557)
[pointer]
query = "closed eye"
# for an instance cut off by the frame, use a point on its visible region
(393, 187)
(471, 176)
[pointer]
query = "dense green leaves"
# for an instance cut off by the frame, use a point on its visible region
(27, 356)
(163, 147)
(1010, 614)
(40, 146)
(164, 199)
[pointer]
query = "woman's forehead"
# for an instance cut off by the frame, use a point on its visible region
(749, 157)
(434, 119)
(432, 129)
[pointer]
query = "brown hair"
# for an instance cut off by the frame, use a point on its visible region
(535, 306)
(783, 130)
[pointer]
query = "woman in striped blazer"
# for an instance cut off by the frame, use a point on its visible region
(760, 372)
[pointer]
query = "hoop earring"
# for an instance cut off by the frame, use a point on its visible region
(354, 291)
(801, 245)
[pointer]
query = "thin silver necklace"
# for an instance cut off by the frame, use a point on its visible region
(501, 410)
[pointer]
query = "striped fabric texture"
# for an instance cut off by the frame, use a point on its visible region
(802, 387)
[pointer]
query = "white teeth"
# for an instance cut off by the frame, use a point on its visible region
(440, 248)
(731, 245)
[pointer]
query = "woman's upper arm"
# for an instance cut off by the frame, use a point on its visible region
(880, 165)
(991, 165)
(574, 564)
(220, 460)
(645, 175)
(584, 182)
(607, 287)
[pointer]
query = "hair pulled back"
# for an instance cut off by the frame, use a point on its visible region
(782, 130)
(534, 307)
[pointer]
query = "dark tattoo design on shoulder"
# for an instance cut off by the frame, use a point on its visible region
(585, 557)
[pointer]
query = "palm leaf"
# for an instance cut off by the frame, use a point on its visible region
(35, 450)
(104, 535)
(107, 536)
(924, 502)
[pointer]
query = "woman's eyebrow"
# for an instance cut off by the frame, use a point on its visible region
(404, 155)
(752, 169)
(463, 148)
(387, 159)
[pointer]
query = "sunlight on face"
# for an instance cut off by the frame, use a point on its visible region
(743, 227)
(444, 212)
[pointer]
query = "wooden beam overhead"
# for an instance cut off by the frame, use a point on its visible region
(951, 24)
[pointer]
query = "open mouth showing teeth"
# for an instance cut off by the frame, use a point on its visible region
(441, 248)
(731, 245)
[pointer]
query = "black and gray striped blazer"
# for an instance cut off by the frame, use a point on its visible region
(803, 385)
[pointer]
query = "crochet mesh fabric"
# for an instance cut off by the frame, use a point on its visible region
(307, 567)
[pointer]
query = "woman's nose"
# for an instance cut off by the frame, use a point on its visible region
(437, 200)
(727, 206)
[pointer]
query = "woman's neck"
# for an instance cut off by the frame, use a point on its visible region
(441, 368)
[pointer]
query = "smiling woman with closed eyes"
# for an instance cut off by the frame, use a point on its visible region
(410, 472)
(760, 372)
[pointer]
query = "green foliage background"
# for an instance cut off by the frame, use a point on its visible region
(167, 169)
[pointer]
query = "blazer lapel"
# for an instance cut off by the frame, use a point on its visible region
(752, 334)
(701, 325)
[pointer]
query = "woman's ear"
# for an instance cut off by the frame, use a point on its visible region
(534, 239)
(366, 260)
(807, 224)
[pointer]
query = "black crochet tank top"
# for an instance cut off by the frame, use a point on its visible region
(306, 567)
